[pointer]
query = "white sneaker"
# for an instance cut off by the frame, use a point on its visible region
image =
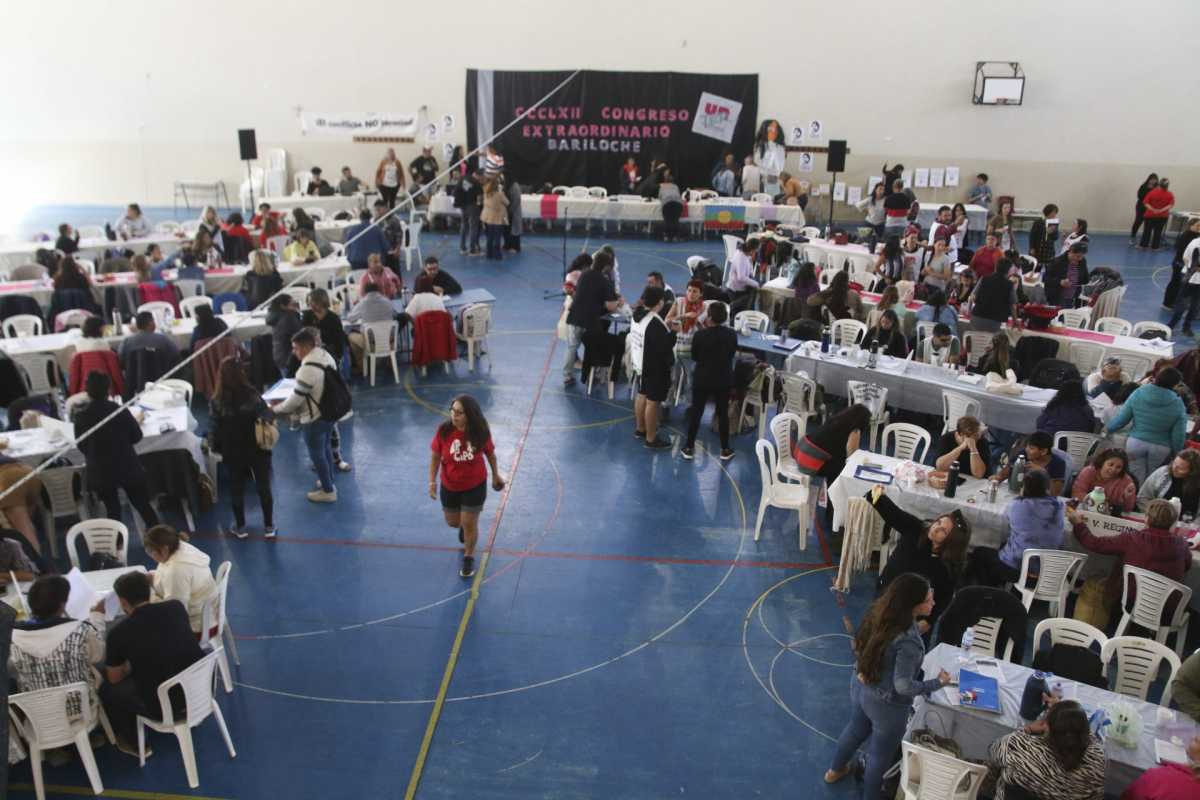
(349, 414)
(320, 496)
(270, 533)
(342, 466)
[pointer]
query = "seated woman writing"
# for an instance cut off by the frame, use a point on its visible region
(1110, 471)
(935, 549)
(886, 334)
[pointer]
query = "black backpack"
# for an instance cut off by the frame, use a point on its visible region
(335, 397)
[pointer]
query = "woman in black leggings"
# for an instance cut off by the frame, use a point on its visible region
(1139, 211)
(234, 411)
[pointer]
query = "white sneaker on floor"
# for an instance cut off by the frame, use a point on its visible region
(343, 466)
(321, 496)
(270, 532)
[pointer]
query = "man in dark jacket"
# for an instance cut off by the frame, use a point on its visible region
(593, 298)
(111, 461)
(1065, 275)
(713, 349)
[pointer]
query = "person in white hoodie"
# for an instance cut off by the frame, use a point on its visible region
(304, 403)
(51, 649)
(183, 572)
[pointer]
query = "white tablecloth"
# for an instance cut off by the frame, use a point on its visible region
(14, 254)
(976, 216)
(331, 204)
(975, 730)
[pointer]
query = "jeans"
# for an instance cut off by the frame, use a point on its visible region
(700, 395)
(316, 437)
(878, 724)
(260, 468)
(1152, 233)
(495, 234)
(138, 496)
(1145, 457)
(574, 339)
(470, 229)
(1186, 300)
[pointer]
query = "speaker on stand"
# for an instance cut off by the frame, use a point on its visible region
(248, 145)
(835, 162)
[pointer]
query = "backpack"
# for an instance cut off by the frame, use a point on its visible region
(335, 397)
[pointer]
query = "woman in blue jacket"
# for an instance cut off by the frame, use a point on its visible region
(1035, 519)
(1159, 423)
(888, 654)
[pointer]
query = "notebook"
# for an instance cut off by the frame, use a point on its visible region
(1169, 752)
(977, 690)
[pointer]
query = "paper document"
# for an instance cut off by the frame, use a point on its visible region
(82, 596)
(1169, 752)
(280, 391)
(952, 176)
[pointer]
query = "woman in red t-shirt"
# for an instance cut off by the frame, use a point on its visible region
(459, 448)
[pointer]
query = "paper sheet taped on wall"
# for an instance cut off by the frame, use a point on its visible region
(871, 181)
(937, 177)
(854, 195)
(839, 191)
(823, 188)
(921, 177)
(952, 176)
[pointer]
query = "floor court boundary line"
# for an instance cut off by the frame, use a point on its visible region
(439, 702)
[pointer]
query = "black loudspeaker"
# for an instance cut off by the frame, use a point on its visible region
(249, 144)
(837, 156)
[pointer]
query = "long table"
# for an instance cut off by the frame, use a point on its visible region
(216, 281)
(245, 324)
(564, 207)
(989, 525)
(331, 204)
(456, 302)
(974, 730)
(14, 254)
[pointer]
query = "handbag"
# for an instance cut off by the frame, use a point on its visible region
(266, 434)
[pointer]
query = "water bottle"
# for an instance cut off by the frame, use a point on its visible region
(1017, 474)
(952, 480)
(825, 339)
(873, 358)
(968, 639)
(1031, 699)
(1177, 504)
(966, 658)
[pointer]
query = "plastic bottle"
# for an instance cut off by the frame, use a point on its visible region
(873, 359)
(825, 338)
(1017, 474)
(952, 480)
(968, 639)
(1097, 501)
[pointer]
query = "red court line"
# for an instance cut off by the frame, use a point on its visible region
(525, 553)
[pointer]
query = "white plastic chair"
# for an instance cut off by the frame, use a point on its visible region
(382, 342)
(874, 397)
(799, 398)
(1086, 356)
(92, 232)
(277, 244)
(166, 227)
(213, 615)
(867, 280)
(846, 332)
(190, 227)
(1135, 366)
(781, 431)
(732, 244)
(1153, 591)
(189, 288)
(775, 493)
(299, 293)
(102, 536)
(763, 198)
(19, 326)
(598, 192)
(188, 305)
(1079, 446)
(976, 345)
(1138, 662)
(197, 684)
(1073, 318)
(1114, 325)
(577, 191)
(345, 295)
(924, 329)
(826, 277)
(754, 320)
(911, 442)
(59, 484)
(955, 406)
(301, 179)
(1056, 574)
(87, 265)
(1064, 630)
(810, 232)
(1163, 331)
(161, 309)
(40, 372)
(316, 212)
(44, 719)
(476, 324)
(987, 636)
(412, 244)
(928, 775)
(177, 385)
(754, 399)
(861, 262)
(1108, 304)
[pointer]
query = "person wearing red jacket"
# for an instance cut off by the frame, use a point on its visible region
(1169, 781)
(1155, 547)
(92, 354)
(1158, 203)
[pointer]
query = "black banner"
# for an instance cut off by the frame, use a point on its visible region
(584, 133)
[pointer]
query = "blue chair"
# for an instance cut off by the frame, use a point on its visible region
(236, 298)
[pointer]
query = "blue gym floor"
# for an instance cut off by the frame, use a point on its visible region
(630, 639)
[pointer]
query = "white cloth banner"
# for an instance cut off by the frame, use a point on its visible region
(347, 124)
(716, 117)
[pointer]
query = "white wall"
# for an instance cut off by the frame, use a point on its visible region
(111, 101)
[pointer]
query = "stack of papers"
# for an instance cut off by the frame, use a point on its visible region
(872, 474)
(1169, 752)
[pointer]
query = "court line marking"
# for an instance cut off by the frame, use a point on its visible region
(439, 701)
(128, 794)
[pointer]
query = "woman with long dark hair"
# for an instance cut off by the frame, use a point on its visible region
(1053, 757)
(1068, 410)
(890, 263)
(1180, 478)
(71, 276)
(1110, 471)
(459, 448)
(208, 325)
(888, 652)
(842, 301)
(805, 283)
(887, 335)
(234, 412)
(1139, 210)
(999, 359)
(937, 310)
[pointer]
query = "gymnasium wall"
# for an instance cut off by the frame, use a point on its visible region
(107, 102)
